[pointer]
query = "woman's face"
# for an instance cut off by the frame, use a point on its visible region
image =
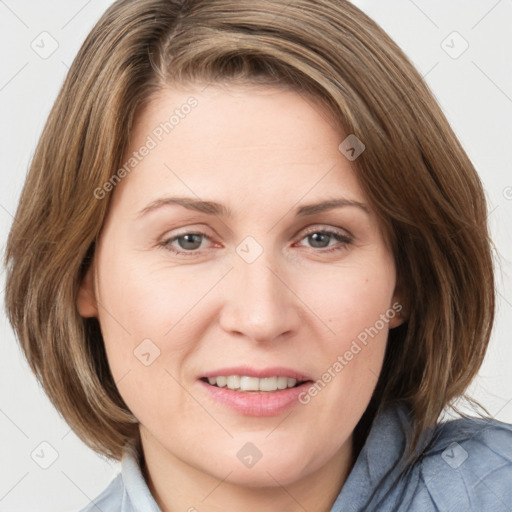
(270, 264)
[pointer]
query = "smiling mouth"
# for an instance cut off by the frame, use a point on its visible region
(244, 383)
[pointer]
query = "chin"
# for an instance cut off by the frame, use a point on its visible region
(271, 465)
(264, 476)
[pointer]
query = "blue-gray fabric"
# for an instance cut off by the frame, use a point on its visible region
(465, 465)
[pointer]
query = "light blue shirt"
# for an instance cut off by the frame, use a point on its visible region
(466, 466)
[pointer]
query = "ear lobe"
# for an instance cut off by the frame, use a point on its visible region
(86, 298)
(397, 320)
(400, 313)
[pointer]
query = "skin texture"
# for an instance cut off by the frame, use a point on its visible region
(262, 152)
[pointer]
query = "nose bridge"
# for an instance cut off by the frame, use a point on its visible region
(259, 305)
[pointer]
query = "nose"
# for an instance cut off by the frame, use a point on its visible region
(259, 304)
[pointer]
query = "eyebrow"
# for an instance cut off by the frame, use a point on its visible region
(218, 209)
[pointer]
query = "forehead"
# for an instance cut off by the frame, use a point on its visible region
(230, 141)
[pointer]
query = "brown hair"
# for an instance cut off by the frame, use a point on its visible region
(414, 172)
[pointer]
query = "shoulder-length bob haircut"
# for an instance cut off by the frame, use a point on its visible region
(415, 173)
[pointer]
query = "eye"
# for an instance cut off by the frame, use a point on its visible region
(188, 243)
(322, 238)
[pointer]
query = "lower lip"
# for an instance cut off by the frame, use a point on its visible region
(254, 403)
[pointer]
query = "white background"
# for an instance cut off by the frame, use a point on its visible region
(474, 90)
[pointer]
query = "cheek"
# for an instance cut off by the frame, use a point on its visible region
(150, 325)
(145, 301)
(354, 303)
(141, 330)
(350, 299)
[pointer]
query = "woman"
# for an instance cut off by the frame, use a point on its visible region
(251, 261)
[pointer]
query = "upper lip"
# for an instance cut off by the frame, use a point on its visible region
(274, 371)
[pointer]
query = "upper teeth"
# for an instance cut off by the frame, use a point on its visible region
(244, 383)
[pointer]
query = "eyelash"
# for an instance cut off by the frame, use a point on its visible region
(344, 239)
